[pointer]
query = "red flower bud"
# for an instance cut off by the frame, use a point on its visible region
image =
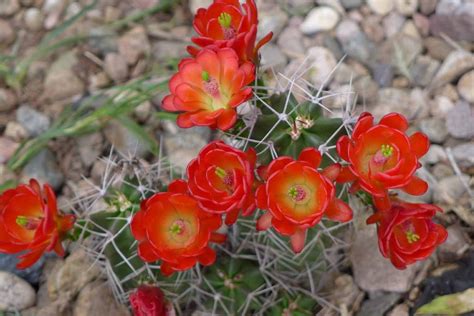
(148, 301)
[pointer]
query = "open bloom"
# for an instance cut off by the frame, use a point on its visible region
(208, 88)
(171, 227)
(297, 196)
(30, 223)
(148, 300)
(221, 179)
(228, 23)
(382, 156)
(407, 232)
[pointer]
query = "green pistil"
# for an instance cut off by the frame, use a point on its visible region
(176, 228)
(22, 220)
(293, 192)
(221, 173)
(387, 151)
(412, 237)
(225, 19)
(205, 76)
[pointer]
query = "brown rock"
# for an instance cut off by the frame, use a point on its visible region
(96, 299)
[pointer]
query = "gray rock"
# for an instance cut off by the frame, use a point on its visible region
(61, 81)
(411, 104)
(373, 272)
(392, 23)
(34, 19)
(290, 42)
(450, 189)
(437, 47)
(272, 57)
(194, 5)
(428, 6)
(333, 45)
(423, 70)
(102, 41)
(406, 7)
(322, 63)
(271, 21)
(366, 89)
(7, 33)
(381, 7)
(124, 140)
(456, 64)
(45, 169)
(434, 155)
(379, 305)
(466, 86)
(134, 45)
(459, 26)
(460, 121)
(435, 129)
(372, 27)
(116, 67)
(15, 293)
(90, 148)
(9, 7)
(441, 106)
(456, 244)
(351, 4)
(144, 4)
(162, 50)
(320, 19)
(400, 51)
(400, 309)
(7, 149)
(33, 121)
(354, 42)
(382, 74)
(464, 154)
(97, 299)
(31, 275)
(8, 100)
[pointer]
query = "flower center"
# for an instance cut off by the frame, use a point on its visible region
(225, 20)
(227, 177)
(412, 237)
(30, 223)
(297, 193)
(384, 153)
(210, 84)
(178, 227)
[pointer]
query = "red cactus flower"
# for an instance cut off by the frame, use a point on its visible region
(148, 301)
(228, 23)
(382, 156)
(297, 196)
(171, 227)
(407, 233)
(208, 88)
(221, 180)
(30, 222)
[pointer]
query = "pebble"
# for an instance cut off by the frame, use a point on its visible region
(460, 121)
(456, 244)
(400, 310)
(437, 47)
(7, 34)
(34, 19)
(290, 42)
(392, 23)
(379, 305)
(53, 10)
(410, 29)
(90, 147)
(411, 104)
(144, 4)
(450, 189)
(7, 149)
(31, 275)
(373, 272)
(102, 41)
(15, 293)
(319, 19)
(8, 100)
(435, 154)
(381, 7)
(406, 7)
(194, 5)
(134, 45)
(272, 57)
(366, 89)
(124, 140)
(382, 74)
(423, 70)
(116, 67)
(441, 106)
(422, 24)
(163, 50)
(32, 120)
(466, 86)
(322, 63)
(15, 131)
(464, 154)
(272, 21)
(9, 7)
(355, 43)
(97, 299)
(435, 129)
(351, 4)
(455, 19)
(373, 28)
(456, 64)
(428, 6)
(45, 169)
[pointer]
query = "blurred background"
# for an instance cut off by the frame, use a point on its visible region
(77, 77)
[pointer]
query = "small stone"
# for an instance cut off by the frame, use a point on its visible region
(442, 170)
(272, 57)
(428, 6)
(144, 4)
(422, 24)
(271, 21)
(441, 106)
(97, 299)
(116, 67)
(435, 129)
(143, 111)
(290, 42)
(134, 45)
(379, 305)
(345, 291)
(7, 149)
(163, 50)
(112, 14)
(437, 48)
(124, 140)
(351, 4)
(90, 147)
(8, 100)
(434, 155)
(9, 7)
(466, 86)
(45, 169)
(355, 43)
(31, 275)
(194, 5)
(456, 64)
(373, 272)
(381, 7)
(423, 70)
(449, 91)
(102, 41)
(98, 81)
(15, 293)
(410, 29)
(406, 7)
(373, 28)
(393, 23)
(34, 19)
(460, 121)
(366, 89)
(322, 63)
(455, 19)
(382, 74)
(464, 154)
(456, 244)
(15, 131)
(450, 189)
(319, 19)
(33, 121)
(400, 51)
(400, 310)
(7, 33)
(397, 100)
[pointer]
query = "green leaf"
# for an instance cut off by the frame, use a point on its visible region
(452, 304)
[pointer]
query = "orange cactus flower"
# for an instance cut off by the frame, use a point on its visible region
(171, 227)
(407, 232)
(228, 23)
(382, 156)
(221, 179)
(30, 223)
(297, 196)
(208, 89)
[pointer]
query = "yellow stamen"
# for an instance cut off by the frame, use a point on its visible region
(412, 237)
(225, 19)
(387, 151)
